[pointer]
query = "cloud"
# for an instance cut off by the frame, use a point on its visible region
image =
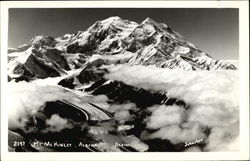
(164, 116)
(123, 115)
(117, 107)
(213, 98)
(187, 132)
(122, 111)
(56, 123)
(25, 99)
(223, 139)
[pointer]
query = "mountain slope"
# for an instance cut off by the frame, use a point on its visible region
(37, 63)
(147, 43)
(121, 82)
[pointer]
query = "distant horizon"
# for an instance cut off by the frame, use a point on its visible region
(213, 31)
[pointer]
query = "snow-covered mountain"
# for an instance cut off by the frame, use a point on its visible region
(119, 82)
(36, 63)
(147, 43)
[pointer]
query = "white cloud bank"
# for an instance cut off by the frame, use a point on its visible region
(213, 97)
(25, 99)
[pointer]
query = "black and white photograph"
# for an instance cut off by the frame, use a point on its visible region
(123, 80)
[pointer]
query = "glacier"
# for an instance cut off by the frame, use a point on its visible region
(141, 85)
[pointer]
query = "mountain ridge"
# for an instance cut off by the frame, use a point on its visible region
(147, 43)
(120, 82)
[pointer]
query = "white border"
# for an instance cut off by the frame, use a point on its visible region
(243, 154)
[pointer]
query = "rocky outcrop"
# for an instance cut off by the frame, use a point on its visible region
(42, 40)
(38, 63)
(119, 92)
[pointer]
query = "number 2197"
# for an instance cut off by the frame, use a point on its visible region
(19, 143)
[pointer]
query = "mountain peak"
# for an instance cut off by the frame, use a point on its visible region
(42, 40)
(148, 43)
(112, 19)
(113, 22)
(149, 20)
(152, 25)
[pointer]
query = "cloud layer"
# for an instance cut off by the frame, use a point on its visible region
(25, 100)
(213, 97)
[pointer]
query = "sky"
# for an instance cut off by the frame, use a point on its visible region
(214, 31)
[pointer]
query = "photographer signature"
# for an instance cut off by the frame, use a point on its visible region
(193, 142)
